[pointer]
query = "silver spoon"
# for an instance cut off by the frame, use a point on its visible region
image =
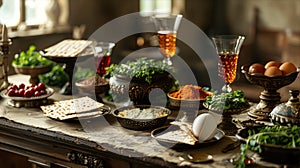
(196, 158)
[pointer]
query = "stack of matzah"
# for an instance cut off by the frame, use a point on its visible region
(73, 108)
(68, 48)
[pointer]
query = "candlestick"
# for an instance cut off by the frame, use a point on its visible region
(4, 44)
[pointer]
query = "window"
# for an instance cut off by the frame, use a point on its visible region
(158, 6)
(35, 12)
(10, 12)
(28, 13)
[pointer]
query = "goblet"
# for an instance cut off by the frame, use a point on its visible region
(167, 26)
(228, 49)
(102, 52)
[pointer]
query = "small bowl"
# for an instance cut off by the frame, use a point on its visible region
(34, 72)
(141, 124)
(92, 88)
(177, 103)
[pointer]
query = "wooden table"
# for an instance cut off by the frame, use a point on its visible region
(97, 142)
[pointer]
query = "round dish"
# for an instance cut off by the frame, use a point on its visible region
(91, 88)
(273, 153)
(49, 90)
(32, 71)
(141, 124)
(231, 111)
(178, 145)
(184, 103)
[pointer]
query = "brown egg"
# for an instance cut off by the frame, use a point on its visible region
(256, 69)
(271, 63)
(287, 68)
(273, 71)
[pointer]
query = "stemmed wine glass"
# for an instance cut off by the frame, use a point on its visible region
(167, 26)
(102, 54)
(228, 48)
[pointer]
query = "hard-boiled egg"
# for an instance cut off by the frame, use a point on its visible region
(273, 71)
(256, 69)
(271, 63)
(287, 68)
(204, 127)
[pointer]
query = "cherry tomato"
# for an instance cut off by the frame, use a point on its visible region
(41, 86)
(28, 93)
(17, 93)
(11, 92)
(32, 85)
(15, 87)
(22, 86)
(21, 92)
(37, 93)
(36, 88)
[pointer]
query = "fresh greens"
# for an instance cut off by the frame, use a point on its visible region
(141, 68)
(283, 136)
(227, 101)
(56, 77)
(31, 58)
(82, 73)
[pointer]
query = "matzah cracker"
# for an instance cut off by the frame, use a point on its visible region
(72, 108)
(68, 48)
(177, 136)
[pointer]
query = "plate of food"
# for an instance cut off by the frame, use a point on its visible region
(30, 92)
(75, 109)
(189, 96)
(230, 103)
(174, 137)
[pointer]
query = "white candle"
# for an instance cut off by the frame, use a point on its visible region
(4, 33)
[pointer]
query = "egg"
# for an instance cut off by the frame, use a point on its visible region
(204, 127)
(271, 63)
(287, 68)
(256, 69)
(273, 71)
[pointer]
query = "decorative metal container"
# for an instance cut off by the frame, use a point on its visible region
(137, 89)
(141, 124)
(287, 113)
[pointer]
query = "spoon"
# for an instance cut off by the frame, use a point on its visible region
(196, 157)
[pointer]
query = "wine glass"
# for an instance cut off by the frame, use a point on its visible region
(102, 55)
(228, 48)
(167, 26)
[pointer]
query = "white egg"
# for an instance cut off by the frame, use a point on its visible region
(204, 127)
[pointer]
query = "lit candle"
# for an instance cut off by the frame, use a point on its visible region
(4, 33)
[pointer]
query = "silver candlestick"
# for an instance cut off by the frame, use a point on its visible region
(4, 44)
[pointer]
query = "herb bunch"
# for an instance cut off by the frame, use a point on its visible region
(31, 58)
(141, 68)
(283, 136)
(227, 101)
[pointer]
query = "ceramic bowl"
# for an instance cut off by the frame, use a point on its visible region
(97, 88)
(177, 103)
(34, 72)
(141, 124)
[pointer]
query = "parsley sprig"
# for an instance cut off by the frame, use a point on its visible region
(141, 68)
